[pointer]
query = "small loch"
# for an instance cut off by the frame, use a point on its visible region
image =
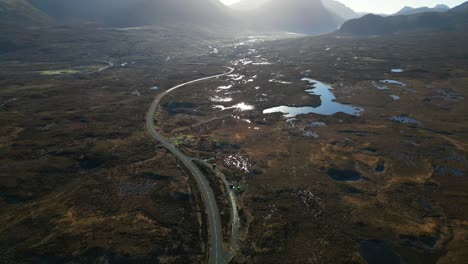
(327, 107)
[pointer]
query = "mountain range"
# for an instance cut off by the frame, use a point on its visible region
(340, 9)
(299, 16)
(453, 19)
(129, 13)
(333, 6)
(410, 10)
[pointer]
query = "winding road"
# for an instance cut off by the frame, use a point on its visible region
(216, 254)
(235, 221)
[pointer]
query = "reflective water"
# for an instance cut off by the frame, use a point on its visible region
(405, 120)
(214, 50)
(245, 61)
(279, 81)
(238, 162)
(311, 134)
(317, 124)
(393, 82)
(248, 121)
(236, 77)
(239, 107)
(343, 175)
(8, 101)
(127, 28)
(328, 105)
(276, 78)
(224, 87)
(256, 60)
(380, 86)
(378, 251)
(262, 63)
(219, 99)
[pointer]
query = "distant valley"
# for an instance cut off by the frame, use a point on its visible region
(300, 16)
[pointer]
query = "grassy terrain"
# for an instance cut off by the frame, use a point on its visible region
(81, 182)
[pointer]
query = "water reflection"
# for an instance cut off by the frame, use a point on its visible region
(239, 107)
(219, 99)
(328, 105)
(393, 82)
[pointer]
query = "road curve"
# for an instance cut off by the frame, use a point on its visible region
(216, 255)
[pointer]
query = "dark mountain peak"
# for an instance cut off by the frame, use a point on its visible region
(455, 20)
(371, 16)
(369, 24)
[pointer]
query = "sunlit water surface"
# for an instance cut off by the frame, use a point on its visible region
(327, 107)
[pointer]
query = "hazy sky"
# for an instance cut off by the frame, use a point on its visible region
(384, 6)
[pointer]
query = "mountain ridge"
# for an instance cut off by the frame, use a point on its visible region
(21, 12)
(336, 7)
(407, 10)
(129, 13)
(340, 9)
(299, 16)
(454, 19)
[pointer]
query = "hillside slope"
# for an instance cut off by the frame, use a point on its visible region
(340, 9)
(21, 13)
(128, 13)
(300, 16)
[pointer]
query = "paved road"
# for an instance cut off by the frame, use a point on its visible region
(214, 222)
(235, 223)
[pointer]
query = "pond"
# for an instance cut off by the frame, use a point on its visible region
(393, 82)
(238, 107)
(328, 105)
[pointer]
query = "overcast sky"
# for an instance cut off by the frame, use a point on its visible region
(383, 6)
